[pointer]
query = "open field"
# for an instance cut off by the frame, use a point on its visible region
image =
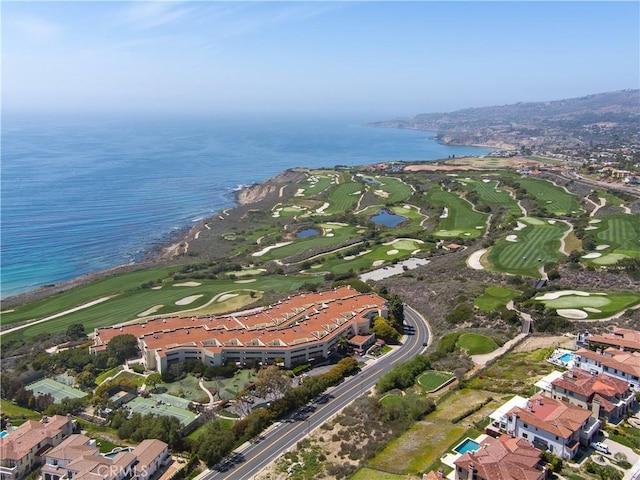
(533, 246)
(550, 198)
(494, 297)
(592, 305)
(460, 219)
(475, 344)
(431, 380)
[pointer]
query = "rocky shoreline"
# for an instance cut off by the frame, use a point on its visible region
(164, 254)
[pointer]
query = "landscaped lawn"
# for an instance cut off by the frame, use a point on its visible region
(461, 219)
(526, 250)
(550, 198)
(432, 379)
(17, 415)
(588, 304)
(494, 297)
(475, 344)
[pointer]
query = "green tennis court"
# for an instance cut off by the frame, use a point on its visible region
(57, 390)
(145, 406)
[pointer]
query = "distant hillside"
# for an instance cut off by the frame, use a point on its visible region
(600, 118)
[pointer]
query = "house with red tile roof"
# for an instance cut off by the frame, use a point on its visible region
(610, 396)
(297, 330)
(22, 449)
(502, 458)
(553, 424)
(77, 457)
(621, 338)
(613, 362)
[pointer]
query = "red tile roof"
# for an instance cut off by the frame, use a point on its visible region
(583, 383)
(627, 362)
(553, 416)
(621, 337)
(503, 458)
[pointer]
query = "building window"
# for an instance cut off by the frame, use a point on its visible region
(524, 435)
(525, 425)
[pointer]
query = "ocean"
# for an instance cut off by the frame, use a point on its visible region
(84, 194)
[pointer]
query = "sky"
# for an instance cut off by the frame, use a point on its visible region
(367, 58)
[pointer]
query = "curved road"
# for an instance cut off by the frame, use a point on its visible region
(250, 458)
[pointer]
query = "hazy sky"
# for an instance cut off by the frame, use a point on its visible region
(374, 59)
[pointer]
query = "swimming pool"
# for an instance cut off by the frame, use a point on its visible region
(3, 433)
(566, 357)
(467, 445)
(116, 451)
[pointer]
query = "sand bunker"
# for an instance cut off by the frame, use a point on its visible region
(445, 213)
(591, 228)
(551, 222)
(150, 311)
(592, 255)
(511, 238)
(521, 226)
(381, 193)
(572, 313)
(226, 296)
(266, 249)
(562, 293)
(187, 284)
(592, 310)
(156, 288)
(486, 180)
(377, 263)
(329, 235)
(473, 260)
(248, 280)
(322, 208)
(188, 300)
(393, 252)
(595, 220)
(602, 247)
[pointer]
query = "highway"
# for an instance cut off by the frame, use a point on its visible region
(250, 458)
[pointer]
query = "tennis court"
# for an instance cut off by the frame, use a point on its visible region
(145, 406)
(57, 390)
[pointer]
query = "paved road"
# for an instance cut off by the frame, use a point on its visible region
(250, 458)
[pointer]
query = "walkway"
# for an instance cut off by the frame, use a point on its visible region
(206, 390)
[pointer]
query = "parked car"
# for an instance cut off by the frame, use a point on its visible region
(599, 447)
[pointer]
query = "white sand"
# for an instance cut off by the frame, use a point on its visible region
(226, 296)
(156, 288)
(266, 249)
(592, 255)
(188, 300)
(467, 234)
(572, 313)
(392, 252)
(561, 293)
(445, 213)
(187, 284)
(150, 311)
(551, 222)
(512, 238)
(520, 226)
(329, 235)
(595, 220)
(322, 208)
(248, 280)
(602, 247)
(486, 180)
(381, 193)
(377, 263)
(592, 310)
(473, 260)
(591, 228)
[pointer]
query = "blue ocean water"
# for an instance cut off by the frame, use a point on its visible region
(85, 194)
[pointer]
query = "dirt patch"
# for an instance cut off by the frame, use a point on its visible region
(536, 343)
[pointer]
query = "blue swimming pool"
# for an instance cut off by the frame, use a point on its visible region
(566, 357)
(3, 433)
(116, 451)
(467, 445)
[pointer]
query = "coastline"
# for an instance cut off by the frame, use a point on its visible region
(163, 254)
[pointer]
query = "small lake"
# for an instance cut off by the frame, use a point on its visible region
(388, 219)
(307, 232)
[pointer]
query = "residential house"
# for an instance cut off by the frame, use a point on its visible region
(502, 458)
(553, 424)
(621, 338)
(612, 362)
(612, 397)
(22, 449)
